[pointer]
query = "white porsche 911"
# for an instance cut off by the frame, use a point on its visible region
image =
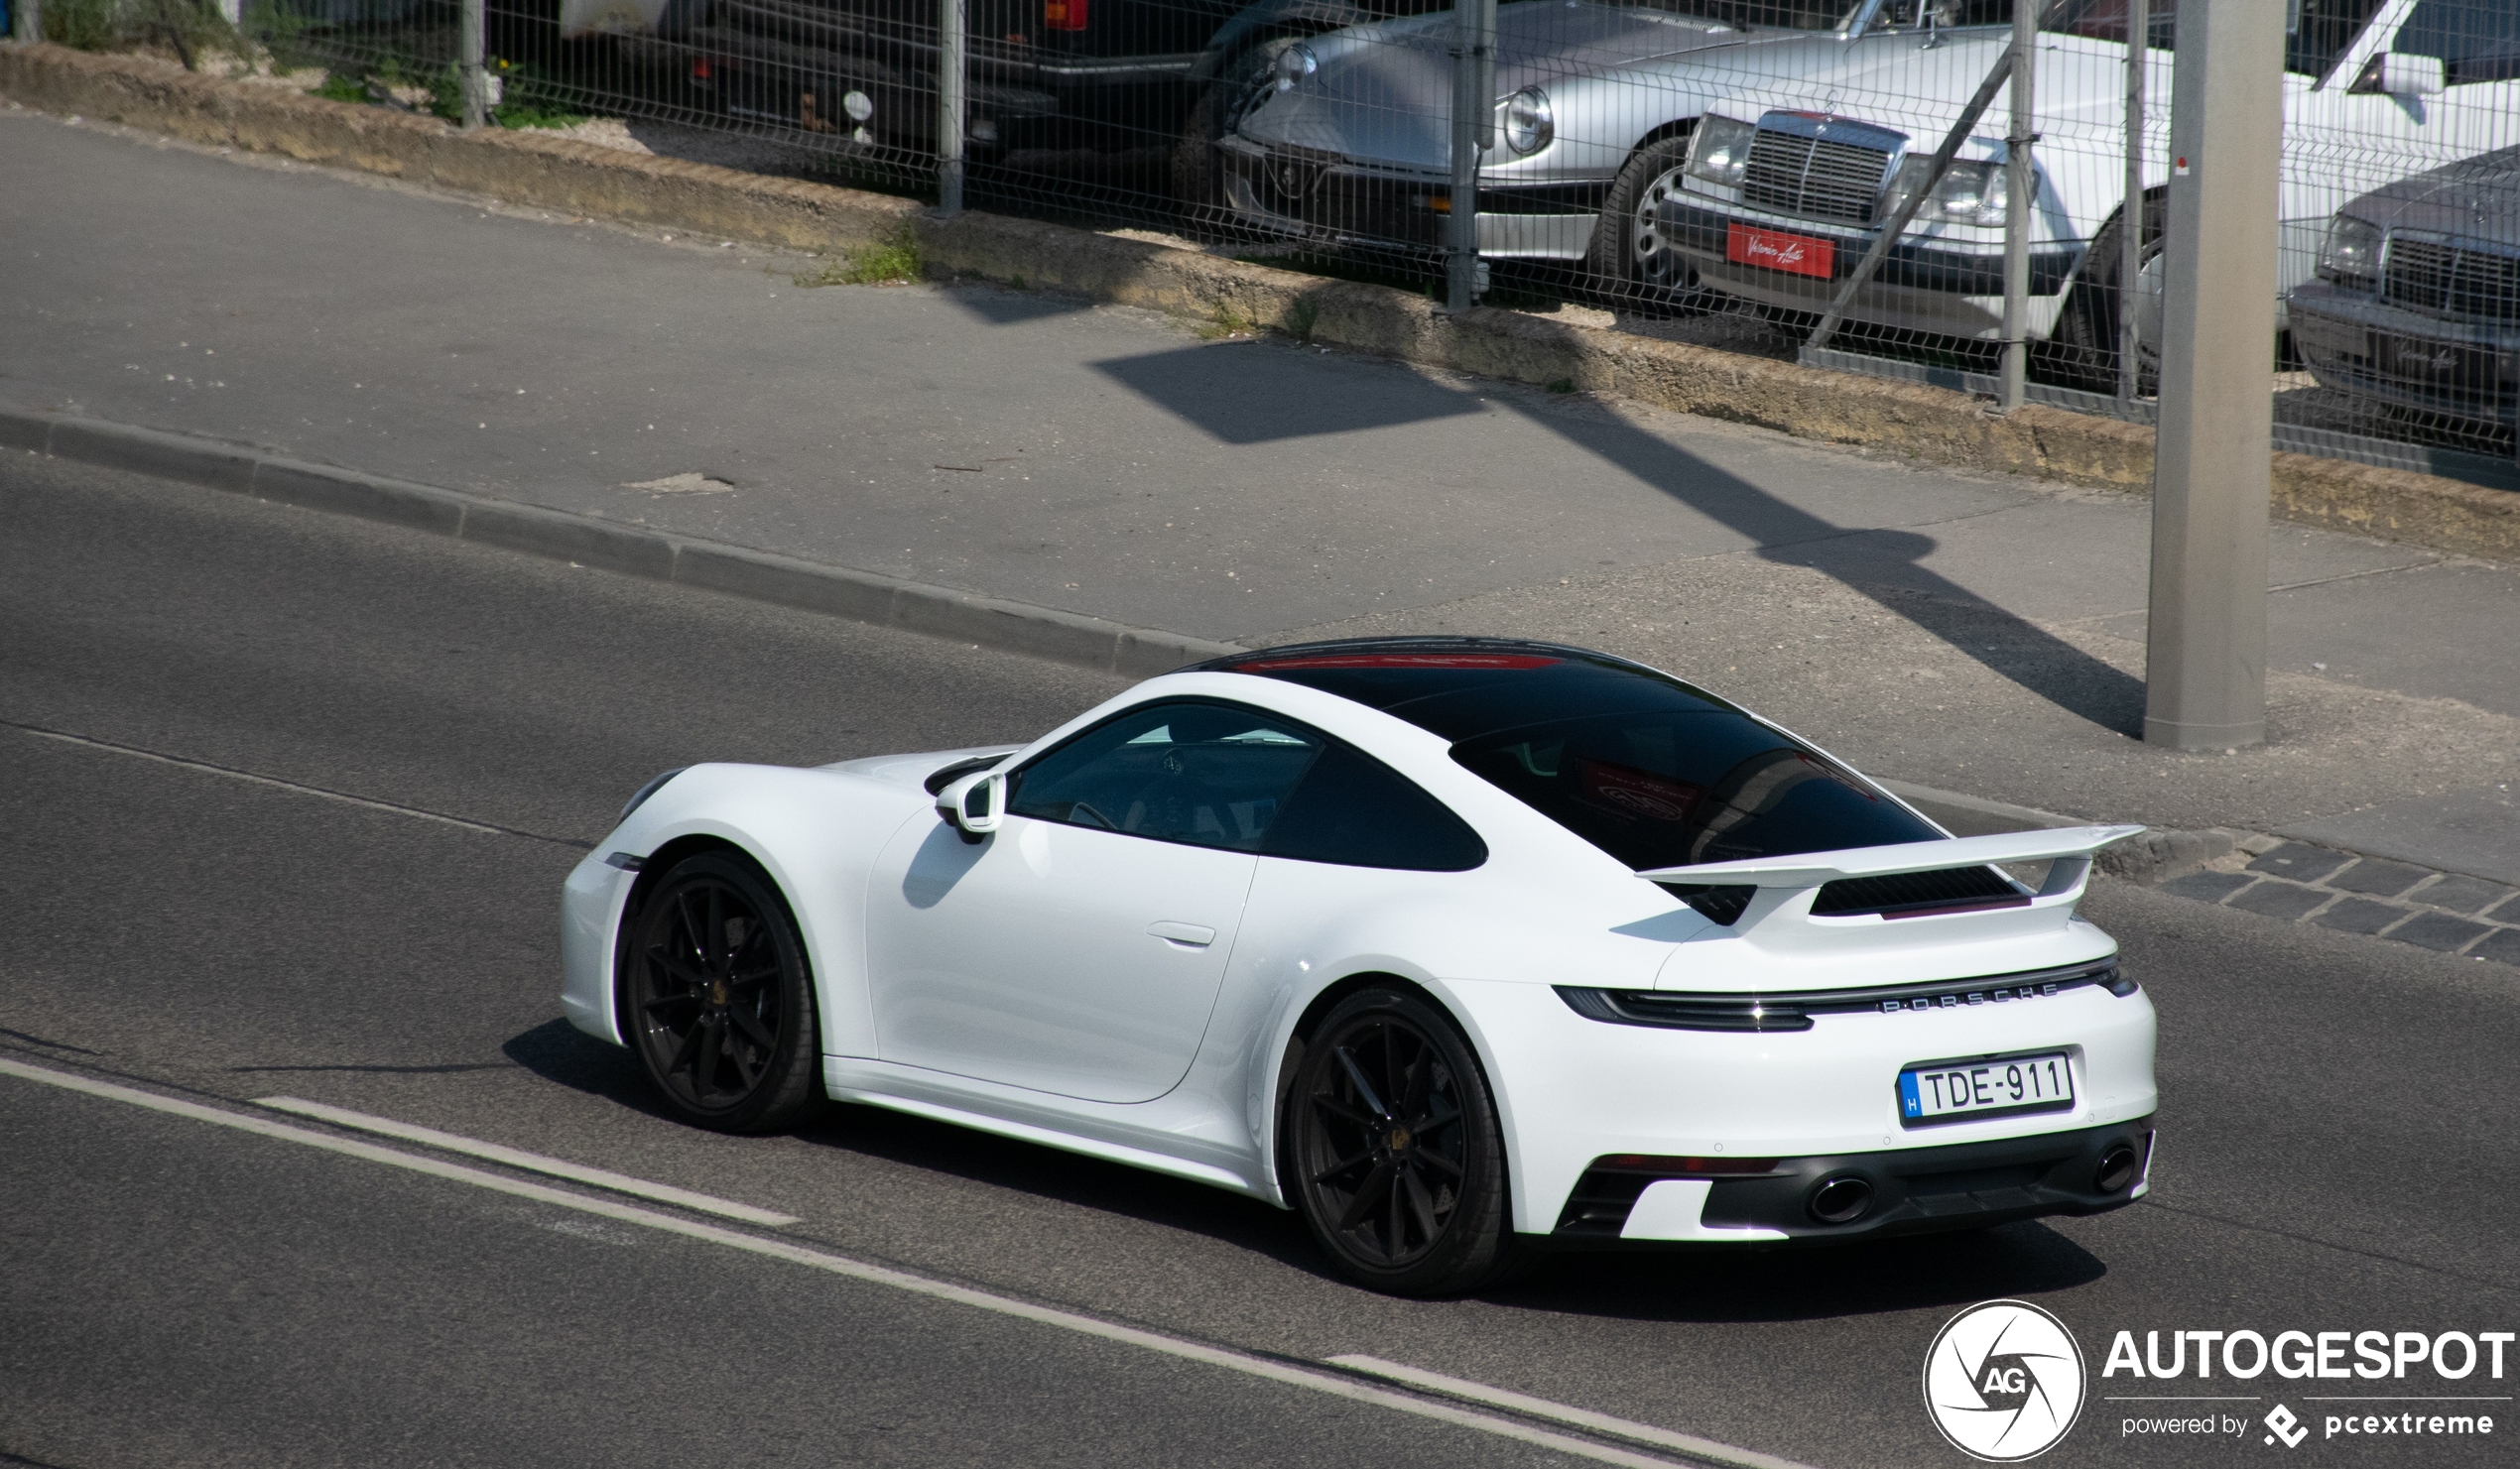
(1463, 948)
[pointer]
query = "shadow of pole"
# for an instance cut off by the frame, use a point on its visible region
(2007, 644)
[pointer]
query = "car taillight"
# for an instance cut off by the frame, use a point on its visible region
(699, 68)
(1063, 15)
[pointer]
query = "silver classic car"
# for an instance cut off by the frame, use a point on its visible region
(1346, 136)
(2418, 297)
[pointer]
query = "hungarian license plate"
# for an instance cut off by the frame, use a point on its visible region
(1798, 255)
(1957, 1090)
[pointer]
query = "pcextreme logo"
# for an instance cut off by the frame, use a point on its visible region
(2004, 1381)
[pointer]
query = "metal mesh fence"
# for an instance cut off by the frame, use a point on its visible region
(1731, 164)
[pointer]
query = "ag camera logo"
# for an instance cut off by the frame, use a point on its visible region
(2004, 1381)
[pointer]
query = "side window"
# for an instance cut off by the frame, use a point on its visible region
(2316, 32)
(1208, 775)
(1354, 810)
(2476, 39)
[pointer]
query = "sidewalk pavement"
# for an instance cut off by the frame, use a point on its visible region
(1971, 633)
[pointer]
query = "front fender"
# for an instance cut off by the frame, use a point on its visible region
(816, 833)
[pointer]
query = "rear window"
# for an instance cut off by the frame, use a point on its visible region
(1652, 771)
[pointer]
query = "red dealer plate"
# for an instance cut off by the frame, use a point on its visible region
(1797, 254)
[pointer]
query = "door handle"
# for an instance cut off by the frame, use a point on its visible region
(1188, 935)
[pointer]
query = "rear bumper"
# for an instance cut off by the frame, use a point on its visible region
(1912, 1190)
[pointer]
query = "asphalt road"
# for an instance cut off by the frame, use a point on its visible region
(2339, 1130)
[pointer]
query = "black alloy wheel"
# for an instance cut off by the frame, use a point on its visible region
(717, 1000)
(1396, 1158)
(1631, 257)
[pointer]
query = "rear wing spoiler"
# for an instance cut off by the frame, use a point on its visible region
(2071, 847)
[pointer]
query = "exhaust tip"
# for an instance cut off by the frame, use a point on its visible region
(1842, 1199)
(2116, 1171)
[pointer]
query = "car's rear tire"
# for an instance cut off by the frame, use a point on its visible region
(1630, 258)
(718, 999)
(2084, 353)
(1396, 1158)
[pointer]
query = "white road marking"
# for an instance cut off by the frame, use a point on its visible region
(1540, 1407)
(207, 768)
(532, 1162)
(1288, 1374)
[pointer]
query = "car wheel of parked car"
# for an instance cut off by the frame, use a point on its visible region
(2084, 349)
(1630, 257)
(717, 1000)
(1199, 184)
(1398, 1162)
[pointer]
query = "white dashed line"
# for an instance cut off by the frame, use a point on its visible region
(532, 1162)
(1285, 1372)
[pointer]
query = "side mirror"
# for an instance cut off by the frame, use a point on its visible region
(974, 804)
(2402, 76)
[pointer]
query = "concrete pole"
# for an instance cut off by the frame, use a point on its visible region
(952, 60)
(2018, 204)
(1473, 133)
(25, 21)
(470, 77)
(2205, 643)
(2130, 229)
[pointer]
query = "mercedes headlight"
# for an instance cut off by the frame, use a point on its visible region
(1529, 124)
(2351, 256)
(1295, 64)
(1719, 149)
(1968, 194)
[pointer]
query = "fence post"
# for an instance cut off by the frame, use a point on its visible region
(25, 21)
(2130, 226)
(2206, 640)
(1473, 133)
(2018, 204)
(952, 58)
(470, 77)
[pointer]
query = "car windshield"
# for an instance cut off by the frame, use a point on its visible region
(1652, 771)
(2097, 20)
(2475, 42)
(1761, 15)
(2106, 19)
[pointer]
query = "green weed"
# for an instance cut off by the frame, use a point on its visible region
(1301, 317)
(869, 265)
(1563, 385)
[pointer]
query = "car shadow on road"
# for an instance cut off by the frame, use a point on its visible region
(1885, 565)
(1697, 1286)
(1801, 1285)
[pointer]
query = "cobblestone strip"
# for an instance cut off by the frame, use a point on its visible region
(2297, 882)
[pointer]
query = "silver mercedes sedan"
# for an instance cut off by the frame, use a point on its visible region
(1346, 138)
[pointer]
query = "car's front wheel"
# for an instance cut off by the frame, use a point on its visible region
(1398, 1162)
(718, 1000)
(1631, 257)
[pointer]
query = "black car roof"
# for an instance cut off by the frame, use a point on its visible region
(1468, 688)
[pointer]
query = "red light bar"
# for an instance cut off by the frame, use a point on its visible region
(1702, 1167)
(1063, 15)
(1398, 661)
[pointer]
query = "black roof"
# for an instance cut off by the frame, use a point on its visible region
(1465, 689)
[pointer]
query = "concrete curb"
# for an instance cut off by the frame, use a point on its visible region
(762, 577)
(1905, 419)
